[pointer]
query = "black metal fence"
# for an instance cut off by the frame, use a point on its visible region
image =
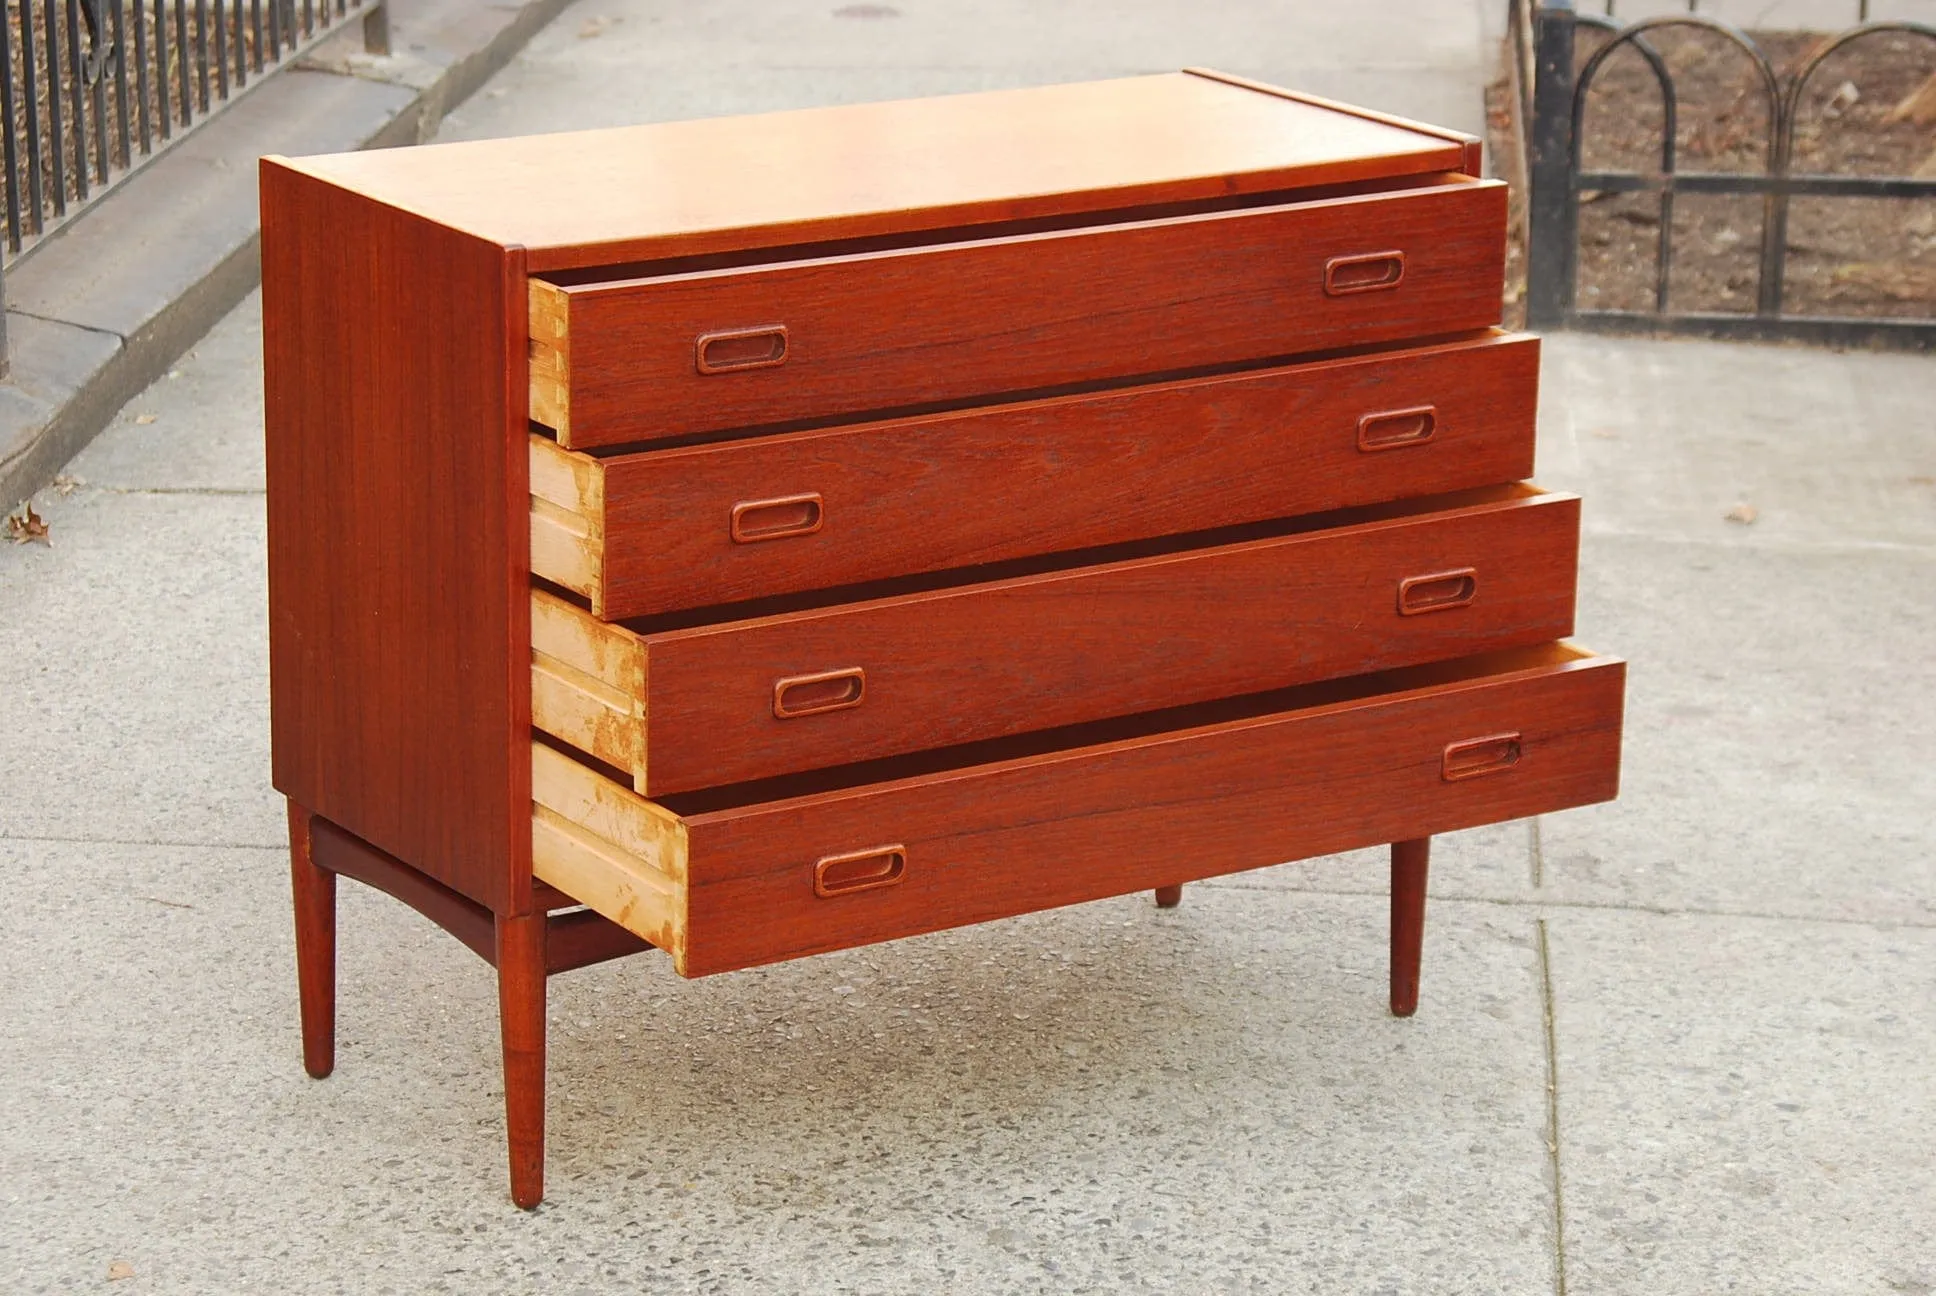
(92, 90)
(1552, 85)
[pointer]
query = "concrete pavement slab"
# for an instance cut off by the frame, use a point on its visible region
(1103, 1098)
(199, 428)
(1745, 1105)
(1779, 716)
(1111, 1097)
(136, 672)
(1666, 438)
(1490, 863)
(650, 60)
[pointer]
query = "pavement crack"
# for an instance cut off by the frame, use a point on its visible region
(1536, 852)
(1552, 1107)
(222, 492)
(67, 323)
(1609, 906)
(139, 841)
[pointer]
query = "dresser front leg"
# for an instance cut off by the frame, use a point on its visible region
(1169, 897)
(314, 891)
(1409, 860)
(521, 1016)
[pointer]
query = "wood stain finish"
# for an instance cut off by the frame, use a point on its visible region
(1033, 415)
(662, 531)
(842, 336)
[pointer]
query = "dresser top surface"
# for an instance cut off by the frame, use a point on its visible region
(730, 183)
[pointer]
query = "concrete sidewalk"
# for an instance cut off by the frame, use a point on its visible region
(1677, 1044)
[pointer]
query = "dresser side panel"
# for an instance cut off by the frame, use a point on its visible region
(398, 552)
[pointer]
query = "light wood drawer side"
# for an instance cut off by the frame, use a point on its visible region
(568, 520)
(602, 844)
(588, 683)
(550, 358)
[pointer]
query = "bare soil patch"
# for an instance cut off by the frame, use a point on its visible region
(1859, 115)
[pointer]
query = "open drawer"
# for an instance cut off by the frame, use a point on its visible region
(684, 707)
(636, 360)
(660, 530)
(744, 876)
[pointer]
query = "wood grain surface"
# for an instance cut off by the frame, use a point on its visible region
(966, 663)
(1004, 481)
(991, 841)
(948, 322)
(399, 658)
(680, 188)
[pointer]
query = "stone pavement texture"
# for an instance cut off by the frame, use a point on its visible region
(1676, 1044)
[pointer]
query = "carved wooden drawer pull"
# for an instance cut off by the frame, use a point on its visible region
(777, 519)
(1493, 754)
(805, 695)
(1394, 429)
(736, 349)
(865, 870)
(1438, 592)
(1371, 272)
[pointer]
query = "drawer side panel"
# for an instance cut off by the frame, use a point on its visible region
(394, 405)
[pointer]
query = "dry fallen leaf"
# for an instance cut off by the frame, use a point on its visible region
(120, 1269)
(145, 419)
(1745, 514)
(66, 483)
(27, 526)
(1918, 106)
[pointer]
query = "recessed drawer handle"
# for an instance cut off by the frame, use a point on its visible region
(1371, 272)
(1395, 428)
(1438, 592)
(805, 695)
(736, 349)
(864, 870)
(1493, 754)
(777, 519)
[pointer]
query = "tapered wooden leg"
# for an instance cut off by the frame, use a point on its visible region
(314, 890)
(521, 1015)
(1409, 860)
(1169, 897)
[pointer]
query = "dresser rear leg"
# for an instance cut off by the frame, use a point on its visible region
(521, 1015)
(1169, 897)
(314, 891)
(1409, 860)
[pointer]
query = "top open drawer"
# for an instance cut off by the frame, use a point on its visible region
(642, 360)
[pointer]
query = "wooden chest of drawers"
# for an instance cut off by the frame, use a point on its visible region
(757, 537)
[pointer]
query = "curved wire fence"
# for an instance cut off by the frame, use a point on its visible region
(1559, 122)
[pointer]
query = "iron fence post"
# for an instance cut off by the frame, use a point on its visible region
(376, 29)
(1551, 213)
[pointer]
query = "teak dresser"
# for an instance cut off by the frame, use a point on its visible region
(756, 537)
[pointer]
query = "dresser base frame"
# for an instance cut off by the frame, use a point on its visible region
(526, 949)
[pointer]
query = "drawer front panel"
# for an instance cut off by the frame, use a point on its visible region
(645, 360)
(993, 841)
(871, 501)
(752, 699)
